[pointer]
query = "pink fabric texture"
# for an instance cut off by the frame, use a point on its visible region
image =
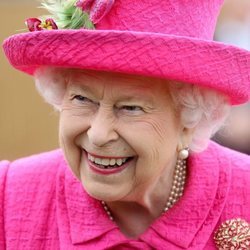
(166, 39)
(44, 207)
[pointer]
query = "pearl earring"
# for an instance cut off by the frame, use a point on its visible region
(183, 153)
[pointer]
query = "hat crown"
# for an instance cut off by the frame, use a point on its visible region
(190, 18)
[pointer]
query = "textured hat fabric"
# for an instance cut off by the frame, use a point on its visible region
(170, 39)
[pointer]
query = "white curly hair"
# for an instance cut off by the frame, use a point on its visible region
(201, 108)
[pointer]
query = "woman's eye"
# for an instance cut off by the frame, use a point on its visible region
(132, 108)
(81, 98)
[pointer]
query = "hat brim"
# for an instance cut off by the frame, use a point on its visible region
(207, 63)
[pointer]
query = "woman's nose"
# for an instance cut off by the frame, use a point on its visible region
(102, 129)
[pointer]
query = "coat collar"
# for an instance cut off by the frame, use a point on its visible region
(195, 215)
(78, 213)
(191, 220)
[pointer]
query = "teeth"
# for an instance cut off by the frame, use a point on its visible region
(119, 162)
(98, 161)
(90, 157)
(112, 162)
(108, 163)
(105, 162)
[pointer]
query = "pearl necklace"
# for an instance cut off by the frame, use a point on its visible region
(176, 190)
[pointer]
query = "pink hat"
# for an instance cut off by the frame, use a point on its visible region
(170, 39)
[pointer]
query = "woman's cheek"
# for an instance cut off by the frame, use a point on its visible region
(74, 120)
(70, 127)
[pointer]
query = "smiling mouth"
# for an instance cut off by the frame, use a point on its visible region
(108, 163)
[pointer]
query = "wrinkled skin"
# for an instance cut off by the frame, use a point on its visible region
(116, 115)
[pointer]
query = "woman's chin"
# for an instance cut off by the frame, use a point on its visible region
(103, 193)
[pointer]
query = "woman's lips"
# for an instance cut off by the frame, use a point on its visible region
(96, 166)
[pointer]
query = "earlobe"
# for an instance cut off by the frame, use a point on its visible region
(185, 138)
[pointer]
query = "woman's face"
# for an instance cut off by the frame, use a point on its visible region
(119, 133)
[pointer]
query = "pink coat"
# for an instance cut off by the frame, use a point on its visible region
(44, 207)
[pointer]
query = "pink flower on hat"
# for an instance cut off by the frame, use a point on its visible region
(35, 24)
(49, 24)
(84, 4)
(97, 8)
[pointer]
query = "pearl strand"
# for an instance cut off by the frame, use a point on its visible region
(107, 210)
(178, 184)
(176, 190)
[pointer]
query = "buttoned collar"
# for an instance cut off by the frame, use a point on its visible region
(191, 220)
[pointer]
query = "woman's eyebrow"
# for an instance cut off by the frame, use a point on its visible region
(78, 85)
(137, 98)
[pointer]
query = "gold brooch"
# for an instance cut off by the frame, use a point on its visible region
(233, 234)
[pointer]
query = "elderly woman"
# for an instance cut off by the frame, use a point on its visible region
(140, 88)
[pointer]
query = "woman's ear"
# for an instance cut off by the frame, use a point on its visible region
(185, 138)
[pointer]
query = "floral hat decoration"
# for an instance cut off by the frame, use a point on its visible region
(70, 14)
(170, 39)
